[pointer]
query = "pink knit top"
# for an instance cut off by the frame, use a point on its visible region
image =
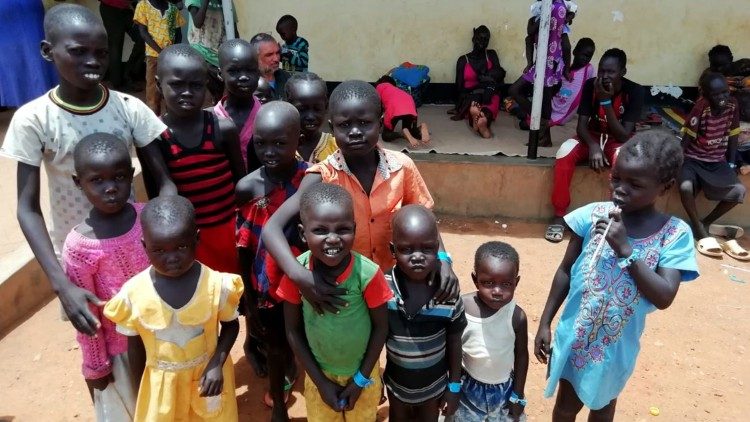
(102, 266)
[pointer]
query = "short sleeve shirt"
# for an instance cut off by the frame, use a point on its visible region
(45, 132)
(711, 132)
(207, 39)
(627, 105)
(161, 27)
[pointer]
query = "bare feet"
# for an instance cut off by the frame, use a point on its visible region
(474, 110)
(483, 126)
(425, 132)
(413, 142)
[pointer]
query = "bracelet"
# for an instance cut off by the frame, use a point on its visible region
(628, 260)
(517, 400)
(732, 165)
(455, 387)
(605, 102)
(445, 257)
(361, 380)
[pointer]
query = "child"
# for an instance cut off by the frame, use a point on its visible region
(339, 351)
(399, 107)
(380, 181)
(423, 370)
(159, 23)
(259, 195)
(294, 51)
(238, 63)
(100, 255)
(46, 131)
(172, 312)
(495, 352)
(710, 146)
(308, 94)
(646, 255)
(565, 102)
(202, 153)
(264, 92)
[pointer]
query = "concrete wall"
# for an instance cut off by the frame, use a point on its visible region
(666, 41)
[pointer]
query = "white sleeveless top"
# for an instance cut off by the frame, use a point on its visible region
(489, 345)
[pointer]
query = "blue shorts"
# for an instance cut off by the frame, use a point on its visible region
(482, 402)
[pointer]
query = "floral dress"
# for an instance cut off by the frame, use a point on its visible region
(597, 340)
(553, 72)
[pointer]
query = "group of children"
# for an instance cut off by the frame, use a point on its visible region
(338, 252)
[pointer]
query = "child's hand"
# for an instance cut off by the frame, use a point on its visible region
(75, 303)
(329, 392)
(597, 160)
(321, 295)
(350, 395)
(449, 287)
(603, 92)
(617, 236)
(449, 403)
(542, 342)
(568, 74)
(516, 410)
(212, 381)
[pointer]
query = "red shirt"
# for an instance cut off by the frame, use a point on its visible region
(711, 132)
(119, 4)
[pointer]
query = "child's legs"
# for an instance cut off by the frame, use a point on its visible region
(571, 152)
(115, 22)
(427, 411)
(409, 123)
(153, 96)
(723, 185)
(517, 91)
(365, 410)
(278, 351)
(567, 404)
(115, 401)
(483, 402)
(689, 185)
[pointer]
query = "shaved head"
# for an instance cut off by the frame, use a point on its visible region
(63, 16)
(277, 114)
(414, 218)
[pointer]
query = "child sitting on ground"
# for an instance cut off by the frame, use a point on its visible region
(295, 50)
(379, 180)
(423, 370)
(238, 63)
(646, 255)
(495, 351)
(308, 94)
(399, 106)
(202, 153)
(259, 195)
(159, 23)
(565, 102)
(100, 255)
(339, 350)
(46, 131)
(181, 317)
(710, 146)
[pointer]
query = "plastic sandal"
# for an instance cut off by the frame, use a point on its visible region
(733, 249)
(555, 233)
(709, 246)
(726, 230)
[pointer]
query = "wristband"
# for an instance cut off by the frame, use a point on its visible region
(445, 257)
(455, 387)
(732, 165)
(361, 380)
(605, 102)
(517, 400)
(628, 260)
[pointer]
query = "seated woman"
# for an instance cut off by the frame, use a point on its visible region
(479, 77)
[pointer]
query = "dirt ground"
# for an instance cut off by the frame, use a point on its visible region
(693, 363)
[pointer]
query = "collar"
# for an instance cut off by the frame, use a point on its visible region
(76, 109)
(344, 275)
(399, 296)
(387, 162)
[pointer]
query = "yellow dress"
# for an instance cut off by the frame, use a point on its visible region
(326, 146)
(179, 343)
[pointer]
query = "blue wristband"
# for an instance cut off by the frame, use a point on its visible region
(445, 257)
(454, 387)
(605, 102)
(361, 380)
(517, 400)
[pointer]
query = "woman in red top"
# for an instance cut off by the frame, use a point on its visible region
(399, 106)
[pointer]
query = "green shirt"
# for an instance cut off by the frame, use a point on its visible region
(207, 39)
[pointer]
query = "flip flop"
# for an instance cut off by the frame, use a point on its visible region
(726, 230)
(709, 246)
(733, 249)
(288, 385)
(555, 233)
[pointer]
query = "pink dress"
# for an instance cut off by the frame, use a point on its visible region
(553, 72)
(565, 103)
(246, 130)
(471, 81)
(396, 103)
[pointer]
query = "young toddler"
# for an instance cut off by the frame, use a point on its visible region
(307, 92)
(295, 50)
(565, 102)
(399, 106)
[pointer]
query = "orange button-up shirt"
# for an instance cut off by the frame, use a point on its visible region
(397, 183)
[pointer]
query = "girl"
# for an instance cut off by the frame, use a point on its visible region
(307, 92)
(100, 255)
(172, 312)
(399, 106)
(565, 103)
(645, 256)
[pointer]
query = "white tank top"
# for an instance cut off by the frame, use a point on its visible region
(489, 345)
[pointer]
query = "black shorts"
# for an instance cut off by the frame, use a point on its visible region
(717, 180)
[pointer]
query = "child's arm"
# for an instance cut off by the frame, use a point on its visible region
(212, 381)
(251, 296)
(378, 335)
(449, 288)
(532, 28)
(154, 161)
(230, 144)
(301, 57)
(565, 42)
(147, 38)
(74, 299)
(620, 130)
(732, 150)
(198, 13)
(557, 294)
(136, 360)
(521, 360)
(295, 333)
(454, 352)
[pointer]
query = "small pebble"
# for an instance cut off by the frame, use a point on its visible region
(653, 410)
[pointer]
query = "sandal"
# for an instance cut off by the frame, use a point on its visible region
(726, 230)
(709, 246)
(733, 249)
(555, 233)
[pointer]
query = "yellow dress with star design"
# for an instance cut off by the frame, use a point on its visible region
(179, 344)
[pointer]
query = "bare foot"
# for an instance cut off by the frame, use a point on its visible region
(474, 110)
(413, 142)
(483, 127)
(425, 132)
(745, 170)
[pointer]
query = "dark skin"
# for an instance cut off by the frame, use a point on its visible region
(718, 96)
(356, 126)
(310, 99)
(496, 280)
(77, 50)
(239, 70)
(263, 91)
(478, 60)
(199, 13)
(162, 5)
(327, 227)
(635, 188)
(415, 245)
(532, 30)
(182, 82)
(287, 31)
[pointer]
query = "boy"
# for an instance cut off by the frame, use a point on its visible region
(339, 351)
(308, 94)
(710, 145)
(259, 195)
(46, 131)
(159, 22)
(294, 51)
(495, 350)
(423, 370)
(238, 64)
(202, 153)
(264, 92)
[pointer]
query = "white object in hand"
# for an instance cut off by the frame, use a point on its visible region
(600, 246)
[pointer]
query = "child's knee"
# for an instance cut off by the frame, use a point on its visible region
(687, 188)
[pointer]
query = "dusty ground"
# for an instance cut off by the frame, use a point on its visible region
(693, 365)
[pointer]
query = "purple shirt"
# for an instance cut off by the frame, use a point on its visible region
(246, 130)
(553, 72)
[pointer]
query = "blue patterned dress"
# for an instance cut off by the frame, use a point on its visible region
(597, 338)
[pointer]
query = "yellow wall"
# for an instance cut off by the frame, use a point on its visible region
(666, 40)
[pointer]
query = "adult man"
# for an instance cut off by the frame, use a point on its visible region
(269, 57)
(610, 106)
